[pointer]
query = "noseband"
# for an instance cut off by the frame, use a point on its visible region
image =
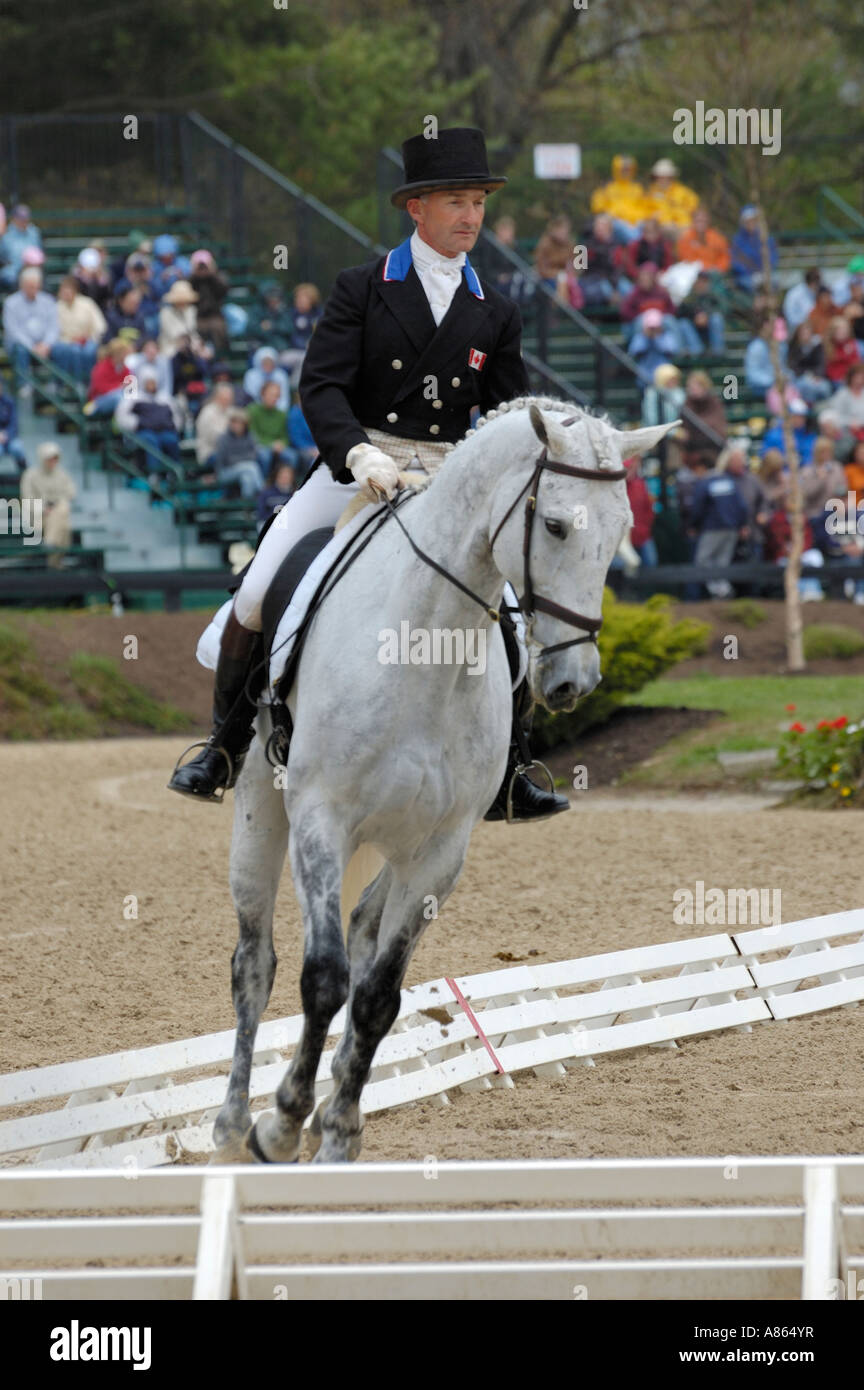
(531, 602)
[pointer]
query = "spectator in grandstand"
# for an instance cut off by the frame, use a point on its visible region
(758, 357)
(10, 444)
(773, 478)
(107, 378)
(663, 399)
(119, 268)
(153, 417)
(669, 200)
(124, 318)
(150, 356)
(622, 198)
(854, 307)
(647, 293)
(268, 426)
(505, 277)
(747, 251)
(652, 343)
(91, 277)
(805, 438)
(718, 510)
(277, 489)
(82, 327)
(700, 310)
(703, 243)
(702, 402)
(823, 312)
(300, 437)
(598, 282)
(221, 372)
(270, 320)
(823, 480)
(306, 313)
(211, 287)
(831, 424)
(212, 422)
(649, 247)
(854, 471)
(841, 349)
(138, 274)
(177, 318)
(190, 374)
(806, 359)
(264, 368)
(30, 322)
(801, 298)
(49, 483)
(20, 234)
(847, 405)
(168, 265)
(778, 540)
(235, 459)
(554, 250)
(733, 460)
(642, 507)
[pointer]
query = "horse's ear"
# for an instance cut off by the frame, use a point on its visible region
(640, 441)
(538, 424)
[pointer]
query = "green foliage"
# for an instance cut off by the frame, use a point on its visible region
(112, 696)
(638, 642)
(832, 640)
(829, 758)
(745, 612)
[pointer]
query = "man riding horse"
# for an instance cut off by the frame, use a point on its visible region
(407, 346)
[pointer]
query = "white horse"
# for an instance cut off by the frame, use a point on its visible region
(406, 758)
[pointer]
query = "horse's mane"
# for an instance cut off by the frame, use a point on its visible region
(547, 403)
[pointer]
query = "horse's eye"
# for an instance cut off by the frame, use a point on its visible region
(555, 528)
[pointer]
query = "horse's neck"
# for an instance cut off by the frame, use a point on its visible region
(451, 521)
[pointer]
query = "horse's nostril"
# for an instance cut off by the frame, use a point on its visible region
(564, 692)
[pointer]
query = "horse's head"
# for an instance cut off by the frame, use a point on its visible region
(556, 550)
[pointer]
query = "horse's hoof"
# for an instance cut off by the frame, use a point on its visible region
(235, 1149)
(256, 1148)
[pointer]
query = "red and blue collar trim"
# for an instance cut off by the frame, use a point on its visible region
(399, 261)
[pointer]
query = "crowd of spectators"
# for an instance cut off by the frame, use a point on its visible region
(144, 337)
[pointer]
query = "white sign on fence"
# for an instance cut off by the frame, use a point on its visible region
(557, 161)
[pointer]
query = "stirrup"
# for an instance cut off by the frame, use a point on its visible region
(207, 743)
(520, 770)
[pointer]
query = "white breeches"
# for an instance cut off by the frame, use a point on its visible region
(320, 502)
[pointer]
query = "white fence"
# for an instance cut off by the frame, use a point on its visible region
(152, 1106)
(755, 1228)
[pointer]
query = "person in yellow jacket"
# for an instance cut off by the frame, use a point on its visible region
(622, 198)
(671, 202)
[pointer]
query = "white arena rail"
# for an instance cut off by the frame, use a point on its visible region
(704, 1228)
(154, 1105)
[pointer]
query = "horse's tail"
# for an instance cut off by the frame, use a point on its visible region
(364, 865)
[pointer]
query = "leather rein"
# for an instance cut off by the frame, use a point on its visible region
(531, 602)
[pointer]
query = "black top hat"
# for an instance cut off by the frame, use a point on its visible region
(456, 158)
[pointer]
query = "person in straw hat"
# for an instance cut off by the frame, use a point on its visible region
(177, 317)
(417, 315)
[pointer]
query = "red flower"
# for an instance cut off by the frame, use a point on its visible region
(840, 723)
(791, 709)
(823, 724)
(797, 729)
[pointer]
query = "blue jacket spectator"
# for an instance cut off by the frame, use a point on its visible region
(277, 490)
(264, 368)
(717, 504)
(124, 318)
(168, 265)
(747, 251)
(758, 364)
(9, 442)
(804, 438)
(30, 321)
(19, 235)
(801, 298)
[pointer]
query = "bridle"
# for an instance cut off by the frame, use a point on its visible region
(531, 602)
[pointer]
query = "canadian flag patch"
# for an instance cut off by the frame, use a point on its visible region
(476, 358)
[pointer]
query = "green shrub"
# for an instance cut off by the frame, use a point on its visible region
(832, 640)
(638, 642)
(746, 612)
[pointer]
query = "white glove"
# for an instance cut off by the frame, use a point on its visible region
(375, 471)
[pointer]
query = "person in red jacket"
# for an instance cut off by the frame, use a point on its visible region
(647, 294)
(107, 378)
(841, 349)
(650, 247)
(642, 507)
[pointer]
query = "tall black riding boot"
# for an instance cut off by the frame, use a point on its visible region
(217, 766)
(519, 798)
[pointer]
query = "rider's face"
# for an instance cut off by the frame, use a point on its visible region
(450, 219)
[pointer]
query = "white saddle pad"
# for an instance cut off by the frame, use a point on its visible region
(208, 644)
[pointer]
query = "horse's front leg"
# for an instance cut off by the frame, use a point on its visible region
(376, 996)
(258, 844)
(317, 868)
